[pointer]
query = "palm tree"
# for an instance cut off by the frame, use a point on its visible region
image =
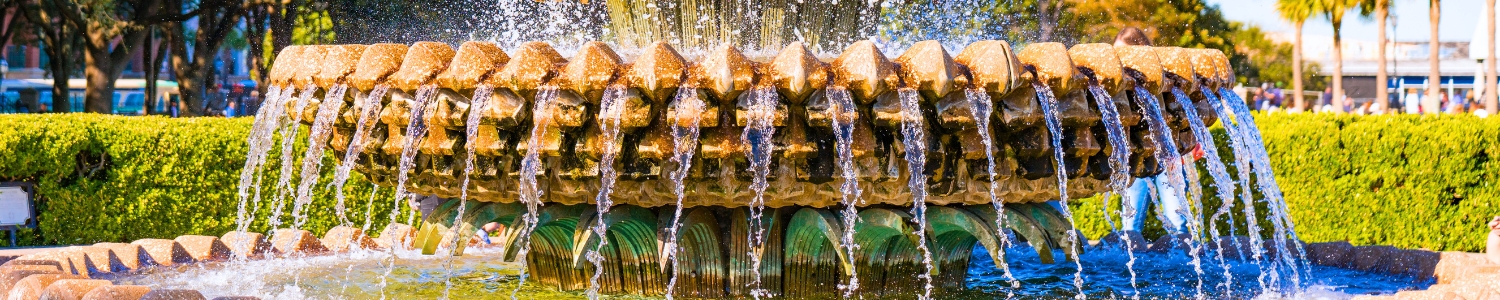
(1382, 11)
(1490, 102)
(1297, 12)
(1334, 10)
(1434, 78)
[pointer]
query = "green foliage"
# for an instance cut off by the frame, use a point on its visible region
(1408, 181)
(104, 178)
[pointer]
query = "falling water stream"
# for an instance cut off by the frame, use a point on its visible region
(368, 112)
(1119, 165)
(290, 127)
(1192, 190)
(259, 144)
(914, 140)
(416, 128)
(684, 144)
(611, 110)
(1225, 186)
(1241, 157)
(844, 116)
(984, 109)
(1248, 136)
(757, 135)
(312, 157)
(477, 105)
(1287, 227)
(1172, 164)
(531, 165)
(1054, 125)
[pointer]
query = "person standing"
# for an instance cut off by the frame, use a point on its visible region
(1413, 101)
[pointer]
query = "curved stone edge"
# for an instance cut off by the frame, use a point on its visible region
(1458, 275)
(82, 272)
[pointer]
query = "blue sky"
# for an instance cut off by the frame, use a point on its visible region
(1458, 20)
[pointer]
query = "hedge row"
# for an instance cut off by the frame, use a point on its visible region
(1408, 181)
(115, 179)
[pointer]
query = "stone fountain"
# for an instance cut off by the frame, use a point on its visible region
(524, 139)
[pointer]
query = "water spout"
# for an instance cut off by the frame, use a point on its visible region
(1054, 125)
(983, 111)
(914, 139)
(531, 164)
(368, 109)
(684, 145)
(843, 133)
(758, 136)
(611, 109)
(312, 157)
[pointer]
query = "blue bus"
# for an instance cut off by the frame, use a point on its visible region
(129, 97)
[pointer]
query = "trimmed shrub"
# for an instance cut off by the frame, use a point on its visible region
(1407, 181)
(104, 178)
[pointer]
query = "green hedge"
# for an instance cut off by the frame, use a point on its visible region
(1408, 181)
(116, 179)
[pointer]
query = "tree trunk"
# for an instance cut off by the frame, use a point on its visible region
(1338, 70)
(149, 103)
(60, 101)
(1299, 102)
(1048, 14)
(100, 75)
(1382, 78)
(1433, 103)
(1489, 99)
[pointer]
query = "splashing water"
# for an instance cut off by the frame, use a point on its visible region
(288, 133)
(1054, 125)
(1286, 227)
(1216, 170)
(259, 144)
(684, 144)
(370, 206)
(1119, 165)
(1247, 137)
(477, 105)
(914, 139)
(1172, 164)
(1252, 226)
(415, 130)
(369, 111)
(757, 134)
(1225, 185)
(983, 109)
(312, 158)
(843, 134)
(531, 164)
(611, 110)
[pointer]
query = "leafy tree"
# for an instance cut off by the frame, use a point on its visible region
(60, 40)
(111, 30)
(1297, 12)
(216, 20)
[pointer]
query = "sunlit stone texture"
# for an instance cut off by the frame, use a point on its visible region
(652, 78)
